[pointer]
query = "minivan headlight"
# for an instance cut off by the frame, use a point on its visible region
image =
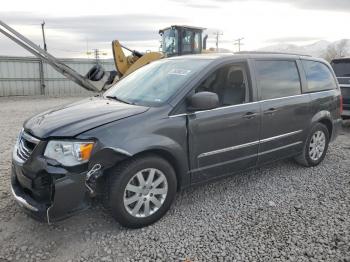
(69, 153)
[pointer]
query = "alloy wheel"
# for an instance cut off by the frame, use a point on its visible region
(317, 145)
(145, 192)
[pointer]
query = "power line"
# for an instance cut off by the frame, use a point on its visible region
(239, 43)
(67, 50)
(217, 35)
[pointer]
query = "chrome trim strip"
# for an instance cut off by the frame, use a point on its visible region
(227, 149)
(22, 202)
(226, 107)
(305, 94)
(280, 136)
(178, 115)
(280, 98)
(251, 103)
(222, 163)
(15, 156)
(279, 148)
(30, 138)
(215, 109)
(344, 85)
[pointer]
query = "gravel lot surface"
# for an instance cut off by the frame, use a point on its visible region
(276, 213)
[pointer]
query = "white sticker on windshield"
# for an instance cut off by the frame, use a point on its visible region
(181, 72)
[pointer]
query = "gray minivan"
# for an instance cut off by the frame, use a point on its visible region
(174, 123)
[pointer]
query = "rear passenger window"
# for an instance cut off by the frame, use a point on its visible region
(318, 76)
(277, 79)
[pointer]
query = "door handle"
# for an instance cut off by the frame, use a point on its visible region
(250, 115)
(271, 111)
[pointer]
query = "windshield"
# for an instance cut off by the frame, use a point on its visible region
(169, 42)
(341, 69)
(154, 84)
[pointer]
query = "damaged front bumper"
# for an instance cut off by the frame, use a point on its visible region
(53, 201)
(49, 191)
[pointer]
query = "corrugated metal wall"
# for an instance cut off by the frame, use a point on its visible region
(21, 76)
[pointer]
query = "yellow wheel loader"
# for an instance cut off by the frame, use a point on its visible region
(176, 41)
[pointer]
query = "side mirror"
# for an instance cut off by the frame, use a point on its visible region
(203, 101)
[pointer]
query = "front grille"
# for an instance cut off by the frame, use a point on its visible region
(26, 145)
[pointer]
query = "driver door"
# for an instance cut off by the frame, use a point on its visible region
(225, 139)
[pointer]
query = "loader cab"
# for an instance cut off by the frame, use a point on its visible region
(182, 40)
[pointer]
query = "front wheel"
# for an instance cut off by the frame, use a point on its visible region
(316, 146)
(141, 191)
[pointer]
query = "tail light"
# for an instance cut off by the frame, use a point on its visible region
(341, 105)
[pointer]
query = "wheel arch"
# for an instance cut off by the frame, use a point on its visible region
(182, 176)
(328, 123)
(324, 117)
(182, 180)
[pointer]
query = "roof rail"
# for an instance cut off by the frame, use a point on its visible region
(268, 53)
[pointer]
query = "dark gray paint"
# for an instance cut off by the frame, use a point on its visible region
(73, 119)
(200, 145)
(223, 128)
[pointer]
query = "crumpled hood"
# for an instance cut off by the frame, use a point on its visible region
(74, 119)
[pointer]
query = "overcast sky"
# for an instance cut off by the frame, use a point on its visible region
(74, 26)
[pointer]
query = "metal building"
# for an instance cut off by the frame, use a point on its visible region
(22, 76)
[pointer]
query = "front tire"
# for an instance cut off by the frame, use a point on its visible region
(316, 146)
(141, 190)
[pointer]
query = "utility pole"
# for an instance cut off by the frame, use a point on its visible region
(97, 53)
(239, 43)
(217, 34)
(43, 31)
(87, 47)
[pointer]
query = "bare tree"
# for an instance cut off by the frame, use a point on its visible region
(336, 50)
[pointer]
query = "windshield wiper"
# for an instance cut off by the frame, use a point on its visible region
(119, 99)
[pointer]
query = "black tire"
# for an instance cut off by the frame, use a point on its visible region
(305, 159)
(95, 73)
(119, 179)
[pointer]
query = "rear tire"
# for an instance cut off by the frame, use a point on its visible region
(141, 190)
(315, 147)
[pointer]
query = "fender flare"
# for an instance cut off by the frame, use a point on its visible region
(323, 116)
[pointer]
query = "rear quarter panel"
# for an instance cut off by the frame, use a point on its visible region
(324, 105)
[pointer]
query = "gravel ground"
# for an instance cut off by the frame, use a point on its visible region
(276, 213)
